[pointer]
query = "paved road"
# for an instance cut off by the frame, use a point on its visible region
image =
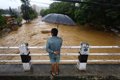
(65, 70)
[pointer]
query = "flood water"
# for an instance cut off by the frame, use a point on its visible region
(71, 35)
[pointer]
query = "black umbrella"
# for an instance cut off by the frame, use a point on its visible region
(58, 19)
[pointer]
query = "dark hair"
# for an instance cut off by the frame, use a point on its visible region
(54, 32)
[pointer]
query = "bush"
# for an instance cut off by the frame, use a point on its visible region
(2, 22)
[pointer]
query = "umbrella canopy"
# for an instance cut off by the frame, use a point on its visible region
(58, 19)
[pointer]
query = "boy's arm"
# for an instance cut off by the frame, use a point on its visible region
(48, 48)
(61, 41)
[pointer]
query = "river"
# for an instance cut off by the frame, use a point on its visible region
(71, 35)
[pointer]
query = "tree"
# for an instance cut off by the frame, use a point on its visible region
(2, 21)
(101, 13)
(104, 14)
(13, 13)
(44, 12)
(27, 11)
(61, 8)
(33, 14)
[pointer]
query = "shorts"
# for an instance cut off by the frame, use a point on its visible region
(54, 58)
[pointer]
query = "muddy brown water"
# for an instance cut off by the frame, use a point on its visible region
(34, 34)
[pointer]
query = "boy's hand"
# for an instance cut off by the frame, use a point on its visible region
(56, 52)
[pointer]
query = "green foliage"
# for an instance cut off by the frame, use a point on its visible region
(9, 11)
(2, 22)
(4, 11)
(63, 8)
(33, 14)
(26, 2)
(60, 7)
(78, 18)
(101, 13)
(44, 12)
(104, 12)
(27, 11)
(13, 13)
(19, 20)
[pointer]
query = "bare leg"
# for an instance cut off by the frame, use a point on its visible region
(56, 68)
(53, 68)
(53, 71)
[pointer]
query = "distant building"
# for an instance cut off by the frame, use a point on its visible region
(19, 9)
(6, 15)
(9, 19)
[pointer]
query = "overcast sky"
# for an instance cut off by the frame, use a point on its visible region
(5, 4)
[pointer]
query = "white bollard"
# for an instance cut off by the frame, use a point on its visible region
(84, 51)
(25, 58)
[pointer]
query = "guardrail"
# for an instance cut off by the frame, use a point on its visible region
(81, 61)
(63, 47)
(64, 54)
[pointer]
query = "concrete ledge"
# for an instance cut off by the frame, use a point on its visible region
(103, 70)
(57, 78)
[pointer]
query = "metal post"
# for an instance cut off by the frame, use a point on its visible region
(25, 57)
(84, 51)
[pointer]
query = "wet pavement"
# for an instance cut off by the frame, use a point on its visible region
(40, 70)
